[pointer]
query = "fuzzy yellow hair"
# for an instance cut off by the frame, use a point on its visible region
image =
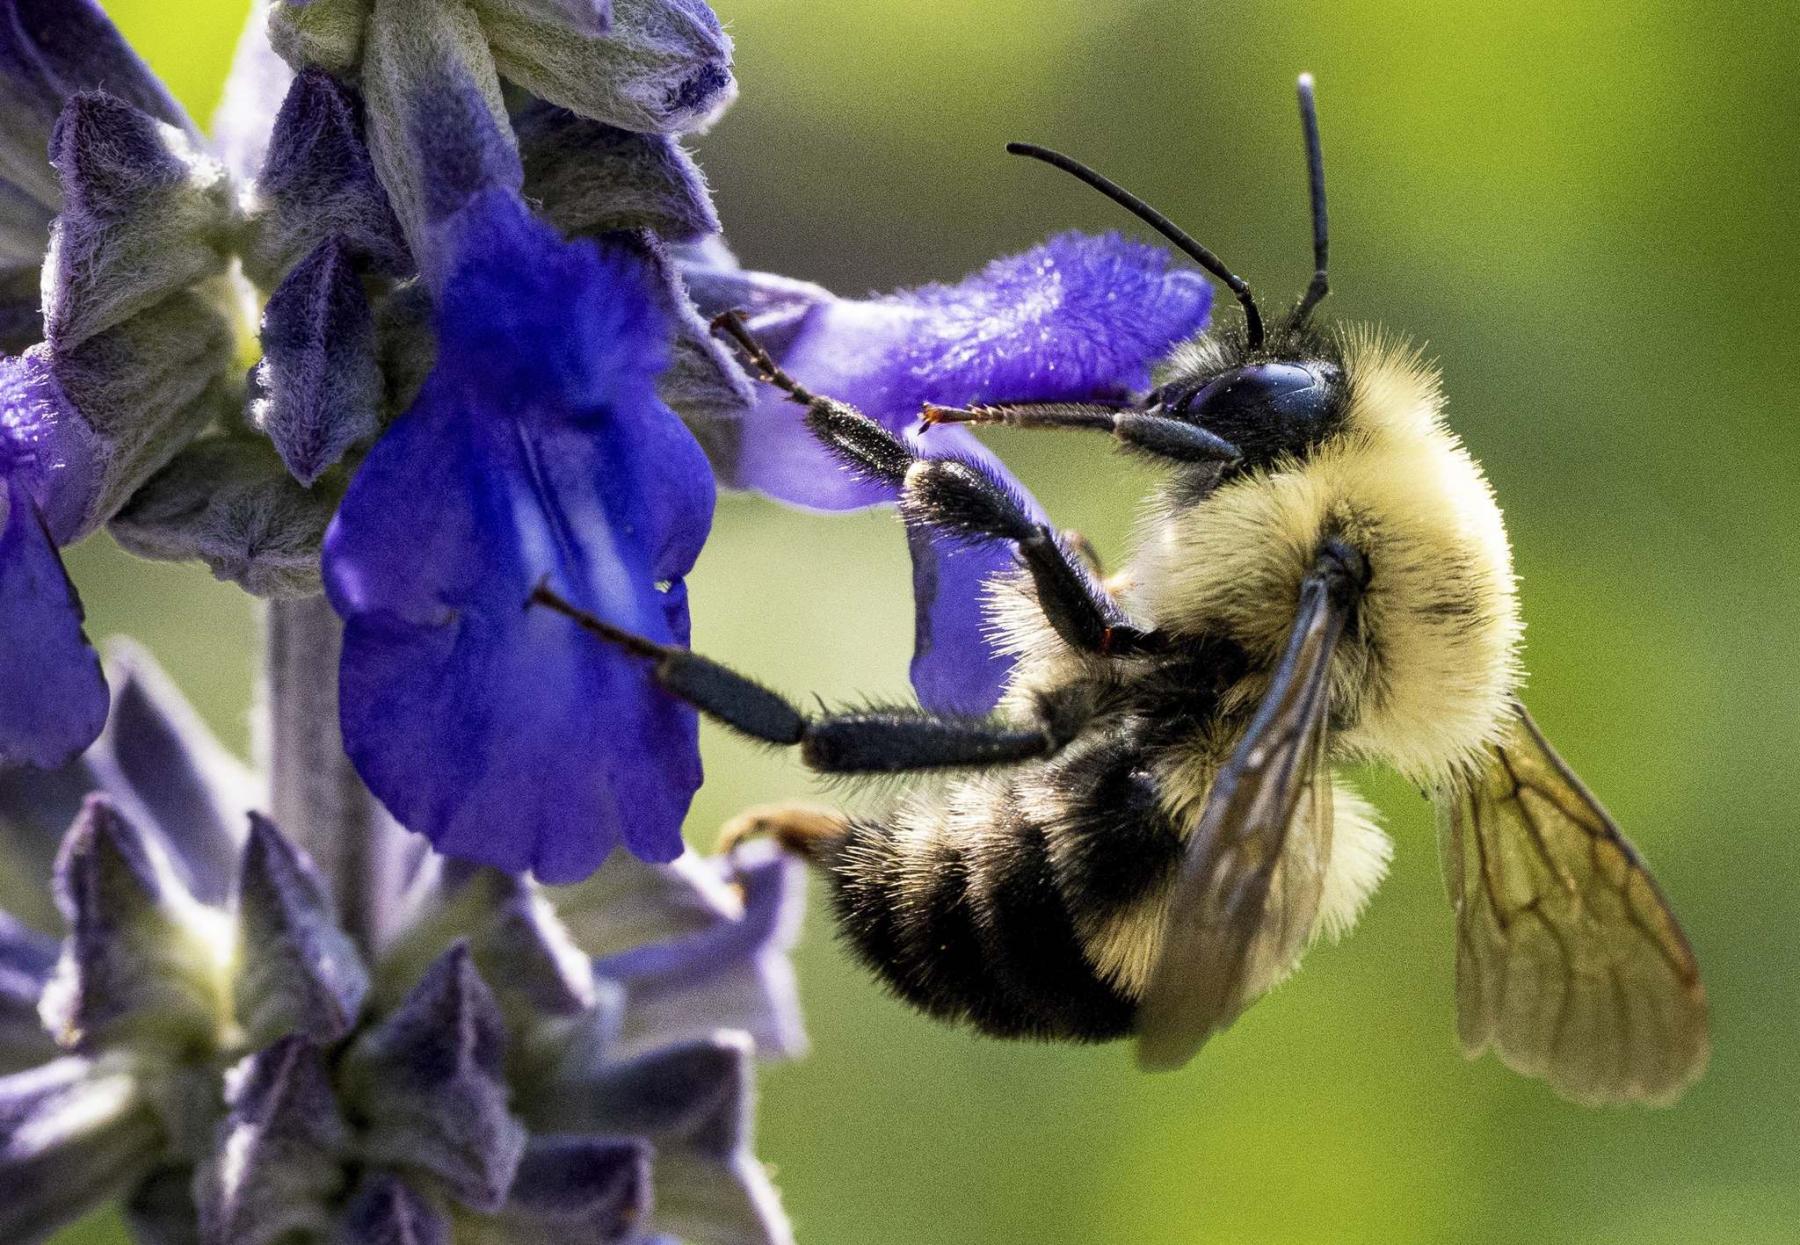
(1426, 678)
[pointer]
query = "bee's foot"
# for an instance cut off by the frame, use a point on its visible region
(809, 831)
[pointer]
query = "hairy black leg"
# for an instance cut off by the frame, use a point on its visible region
(1155, 436)
(879, 739)
(964, 500)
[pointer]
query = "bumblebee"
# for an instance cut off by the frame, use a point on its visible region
(1148, 832)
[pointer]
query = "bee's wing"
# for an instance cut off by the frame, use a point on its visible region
(1568, 961)
(1247, 893)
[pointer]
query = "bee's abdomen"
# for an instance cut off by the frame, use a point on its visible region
(974, 919)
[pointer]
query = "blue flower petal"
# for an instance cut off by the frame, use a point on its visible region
(52, 695)
(1077, 318)
(537, 450)
(46, 445)
(956, 667)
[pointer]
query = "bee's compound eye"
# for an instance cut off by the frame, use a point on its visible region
(1280, 405)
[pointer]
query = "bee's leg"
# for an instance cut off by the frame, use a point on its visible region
(964, 500)
(809, 831)
(1153, 436)
(875, 740)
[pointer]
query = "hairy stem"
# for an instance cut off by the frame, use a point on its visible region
(315, 793)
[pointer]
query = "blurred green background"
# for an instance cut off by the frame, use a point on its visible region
(1587, 211)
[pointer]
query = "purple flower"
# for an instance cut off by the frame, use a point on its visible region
(52, 694)
(207, 1045)
(1078, 318)
(537, 450)
(67, 454)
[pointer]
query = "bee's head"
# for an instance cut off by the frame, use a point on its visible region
(1270, 391)
(1270, 404)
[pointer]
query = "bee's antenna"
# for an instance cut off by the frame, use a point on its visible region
(1315, 174)
(1253, 325)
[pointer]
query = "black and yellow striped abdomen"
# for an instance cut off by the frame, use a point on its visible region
(977, 907)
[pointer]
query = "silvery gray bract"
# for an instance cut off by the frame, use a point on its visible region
(49, 51)
(190, 1031)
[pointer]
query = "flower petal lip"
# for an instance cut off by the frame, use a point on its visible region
(48, 450)
(537, 448)
(1077, 318)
